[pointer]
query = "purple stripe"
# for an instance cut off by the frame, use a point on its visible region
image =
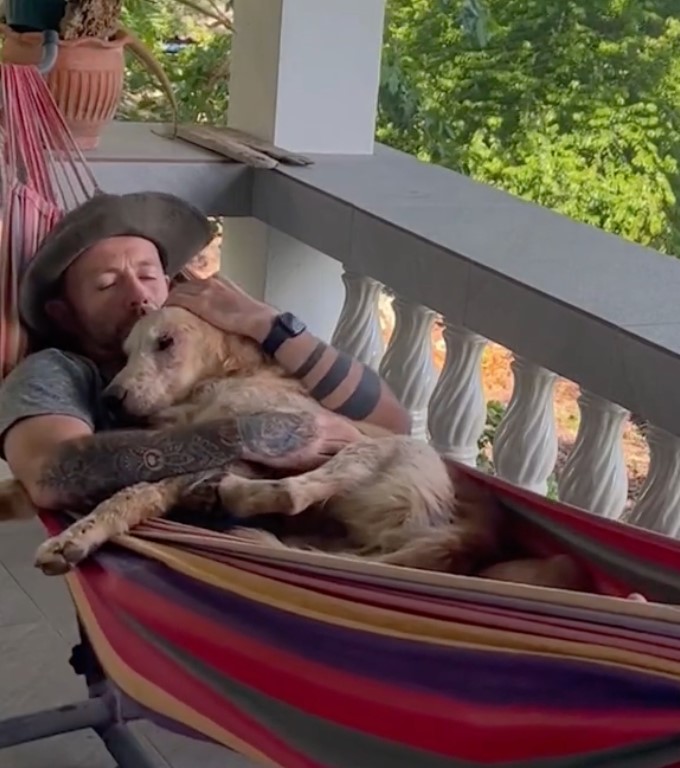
(473, 675)
(472, 598)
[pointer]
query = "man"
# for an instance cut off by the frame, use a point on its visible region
(103, 266)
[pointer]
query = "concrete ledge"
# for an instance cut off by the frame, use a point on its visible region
(132, 158)
(587, 305)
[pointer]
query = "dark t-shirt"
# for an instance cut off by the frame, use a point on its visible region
(52, 383)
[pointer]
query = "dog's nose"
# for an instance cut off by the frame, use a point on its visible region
(114, 397)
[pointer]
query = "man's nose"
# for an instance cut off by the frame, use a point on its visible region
(139, 301)
(138, 297)
(114, 398)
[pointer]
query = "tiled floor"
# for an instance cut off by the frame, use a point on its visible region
(37, 630)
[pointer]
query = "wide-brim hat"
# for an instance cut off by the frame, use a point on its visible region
(177, 229)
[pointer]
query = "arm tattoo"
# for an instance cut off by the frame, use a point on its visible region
(333, 377)
(90, 469)
(311, 361)
(362, 401)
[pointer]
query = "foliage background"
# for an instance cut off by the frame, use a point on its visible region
(198, 72)
(573, 104)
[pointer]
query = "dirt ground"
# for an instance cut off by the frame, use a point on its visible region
(498, 381)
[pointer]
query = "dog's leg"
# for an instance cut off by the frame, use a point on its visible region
(355, 464)
(444, 551)
(118, 514)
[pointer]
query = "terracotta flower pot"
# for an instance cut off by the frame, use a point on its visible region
(86, 81)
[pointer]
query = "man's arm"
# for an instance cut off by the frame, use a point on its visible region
(32, 442)
(80, 472)
(338, 381)
(49, 413)
(342, 384)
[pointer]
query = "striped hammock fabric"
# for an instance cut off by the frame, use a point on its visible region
(43, 174)
(306, 660)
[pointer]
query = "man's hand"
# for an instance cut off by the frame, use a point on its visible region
(326, 435)
(224, 305)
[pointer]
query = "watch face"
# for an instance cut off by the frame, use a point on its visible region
(292, 324)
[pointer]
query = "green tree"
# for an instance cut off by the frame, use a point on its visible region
(198, 72)
(573, 104)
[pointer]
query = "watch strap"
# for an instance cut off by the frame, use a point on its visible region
(285, 326)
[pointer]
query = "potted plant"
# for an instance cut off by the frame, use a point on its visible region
(86, 78)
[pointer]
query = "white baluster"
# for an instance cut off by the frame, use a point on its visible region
(358, 330)
(525, 445)
(595, 476)
(658, 506)
(408, 365)
(458, 407)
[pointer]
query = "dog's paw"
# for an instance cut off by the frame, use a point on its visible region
(58, 555)
(50, 559)
(248, 498)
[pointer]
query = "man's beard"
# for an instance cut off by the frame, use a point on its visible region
(106, 346)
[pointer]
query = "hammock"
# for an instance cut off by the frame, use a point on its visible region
(302, 660)
(308, 660)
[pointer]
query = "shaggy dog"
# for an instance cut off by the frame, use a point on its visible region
(388, 498)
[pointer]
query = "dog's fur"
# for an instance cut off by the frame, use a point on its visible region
(392, 498)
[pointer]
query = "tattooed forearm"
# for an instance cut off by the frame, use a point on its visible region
(355, 388)
(343, 384)
(87, 470)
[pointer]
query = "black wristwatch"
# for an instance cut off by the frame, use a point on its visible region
(286, 326)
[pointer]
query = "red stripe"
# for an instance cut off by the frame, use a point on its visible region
(423, 721)
(641, 544)
(153, 665)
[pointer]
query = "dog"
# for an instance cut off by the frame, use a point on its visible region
(393, 497)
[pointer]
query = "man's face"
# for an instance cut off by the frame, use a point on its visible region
(107, 289)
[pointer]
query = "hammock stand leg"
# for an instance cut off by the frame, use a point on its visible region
(124, 747)
(101, 712)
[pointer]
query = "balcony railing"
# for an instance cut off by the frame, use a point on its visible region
(567, 299)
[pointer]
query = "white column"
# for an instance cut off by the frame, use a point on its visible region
(358, 330)
(658, 505)
(457, 413)
(595, 477)
(305, 76)
(408, 365)
(525, 444)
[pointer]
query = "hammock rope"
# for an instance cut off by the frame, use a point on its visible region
(43, 174)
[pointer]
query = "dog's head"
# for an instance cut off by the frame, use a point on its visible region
(169, 353)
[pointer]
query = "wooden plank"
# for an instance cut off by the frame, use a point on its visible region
(290, 158)
(216, 141)
(236, 145)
